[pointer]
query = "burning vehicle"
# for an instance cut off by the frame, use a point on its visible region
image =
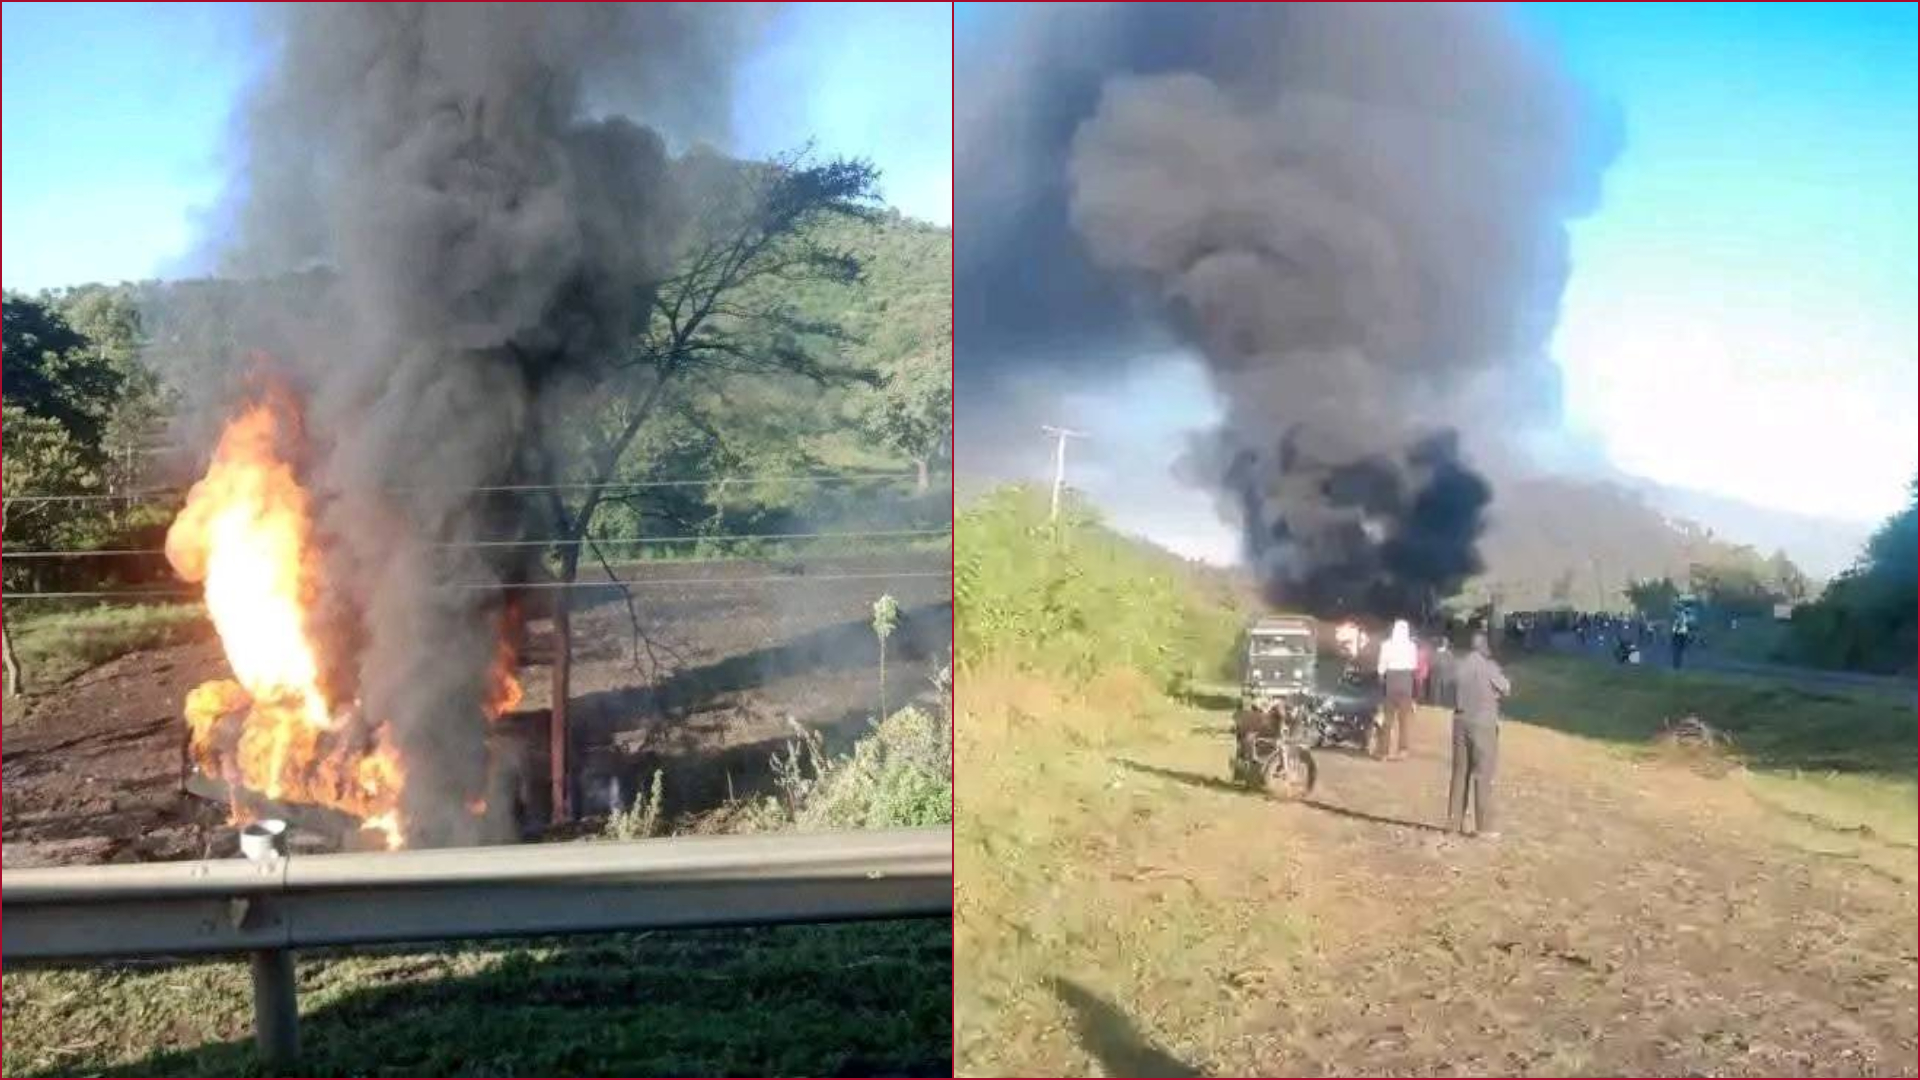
(289, 735)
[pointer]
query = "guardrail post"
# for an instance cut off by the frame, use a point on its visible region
(276, 1008)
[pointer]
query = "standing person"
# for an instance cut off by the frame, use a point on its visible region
(1440, 680)
(1682, 637)
(1480, 685)
(1399, 660)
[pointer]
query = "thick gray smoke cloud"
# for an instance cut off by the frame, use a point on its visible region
(491, 222)
(1354, 214)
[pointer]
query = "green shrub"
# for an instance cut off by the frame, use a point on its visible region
(643, 818)
(899, 776)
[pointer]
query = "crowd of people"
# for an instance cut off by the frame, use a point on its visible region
(1629, 639)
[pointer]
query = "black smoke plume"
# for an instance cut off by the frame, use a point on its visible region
(484, 218)
(1353, 214)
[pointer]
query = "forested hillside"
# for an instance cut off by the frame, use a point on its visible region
(107, 392)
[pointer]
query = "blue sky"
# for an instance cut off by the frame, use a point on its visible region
(114, 117)
(1751, 272)
(1741, 313)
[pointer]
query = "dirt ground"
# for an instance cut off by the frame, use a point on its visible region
(1636, 918)
(92, 768)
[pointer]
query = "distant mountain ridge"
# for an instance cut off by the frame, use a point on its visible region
(1822, 546)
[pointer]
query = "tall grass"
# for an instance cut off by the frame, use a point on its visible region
(1075, 598)
(54, 646)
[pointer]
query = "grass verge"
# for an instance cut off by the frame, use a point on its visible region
(858, 999)
(1837, 765)
(1775, 724)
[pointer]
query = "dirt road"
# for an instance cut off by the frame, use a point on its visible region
(730, 655)
(1138, 916)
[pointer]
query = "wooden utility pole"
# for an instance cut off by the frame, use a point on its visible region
(1060, 437)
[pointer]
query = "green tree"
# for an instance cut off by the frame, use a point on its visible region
(1652, 598)
(727, 313)
(1739, 583)
(902, 327)
(110, 319)
(53, 372)
(1788, 580)
(41, 458)
(1866, 618)
(911, 411)
(77, 401)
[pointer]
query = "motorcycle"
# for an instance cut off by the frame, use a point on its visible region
(1273, 747)
(1348, 715)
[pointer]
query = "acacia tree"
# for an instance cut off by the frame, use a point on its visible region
(907, 338)
(911, 413)
(724, 313)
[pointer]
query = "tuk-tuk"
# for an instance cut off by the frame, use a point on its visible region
(1282, 660)
(1276, 726)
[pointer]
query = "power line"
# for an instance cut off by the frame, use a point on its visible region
(467, 544)
(768, 579)
(468, 586)
(128, 497)
(690, 539)
(80, 554)
(635, 485)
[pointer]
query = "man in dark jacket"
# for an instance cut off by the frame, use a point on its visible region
(1479, 686)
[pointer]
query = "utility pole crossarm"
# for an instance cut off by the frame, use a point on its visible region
(1060, 436)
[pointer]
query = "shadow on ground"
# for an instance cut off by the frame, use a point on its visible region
(1374, 819)
(681, 722)
(922, 634)
(1213, 783)
(867, 999)
(1106, 1033)
(1211, 700)
(1192, 779)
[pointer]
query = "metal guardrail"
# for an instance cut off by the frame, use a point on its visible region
(271, 907)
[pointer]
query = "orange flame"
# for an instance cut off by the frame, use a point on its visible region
(246, 532)
(504, 692)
